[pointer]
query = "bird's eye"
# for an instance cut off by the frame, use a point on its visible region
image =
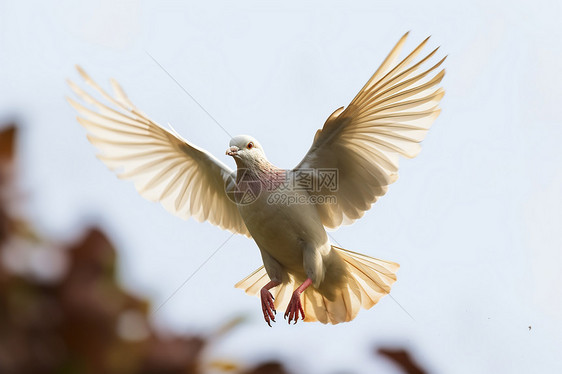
(250, 145)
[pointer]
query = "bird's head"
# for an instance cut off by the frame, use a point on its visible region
(246, 150)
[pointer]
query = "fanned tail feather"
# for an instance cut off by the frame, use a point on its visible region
(368, 280)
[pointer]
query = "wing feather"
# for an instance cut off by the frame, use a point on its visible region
(388, 118)
(187, 180)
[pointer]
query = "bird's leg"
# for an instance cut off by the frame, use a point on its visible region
(267, 302)
(295, 307)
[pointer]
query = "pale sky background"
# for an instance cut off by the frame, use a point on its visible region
(474, 220)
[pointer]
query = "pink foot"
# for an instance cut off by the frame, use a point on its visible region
(267, 302)
(267, 306)
(295, 310)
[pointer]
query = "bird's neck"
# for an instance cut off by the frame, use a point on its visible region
(263, 171)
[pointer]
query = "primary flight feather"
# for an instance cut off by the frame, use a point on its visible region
(351, 162)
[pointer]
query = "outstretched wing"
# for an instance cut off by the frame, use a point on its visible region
(389, 117)
(187, 180)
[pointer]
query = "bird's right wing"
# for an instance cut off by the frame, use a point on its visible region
(187, 180)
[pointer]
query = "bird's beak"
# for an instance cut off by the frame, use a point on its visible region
(232, 151)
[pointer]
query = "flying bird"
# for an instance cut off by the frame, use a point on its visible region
(352, 161)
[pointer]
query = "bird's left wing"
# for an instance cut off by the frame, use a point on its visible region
(360, 146)
(187, 180)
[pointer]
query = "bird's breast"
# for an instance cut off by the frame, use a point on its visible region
(284, 225)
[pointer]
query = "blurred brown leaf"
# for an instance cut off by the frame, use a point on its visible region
(402, 359)
(268, 368)
(7, 143)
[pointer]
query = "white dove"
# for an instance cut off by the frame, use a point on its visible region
(358, 148)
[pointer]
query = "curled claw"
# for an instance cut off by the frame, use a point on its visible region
(294, 310)
(267, 306)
